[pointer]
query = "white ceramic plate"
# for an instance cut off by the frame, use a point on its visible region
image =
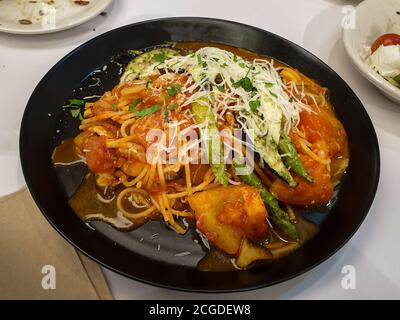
(36, 17)
(373, 19)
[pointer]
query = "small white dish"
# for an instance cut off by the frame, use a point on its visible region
(374, 18)
(38, 17)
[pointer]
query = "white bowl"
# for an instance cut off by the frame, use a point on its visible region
(373, 19)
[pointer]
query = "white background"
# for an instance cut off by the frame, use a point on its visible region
(314, 25)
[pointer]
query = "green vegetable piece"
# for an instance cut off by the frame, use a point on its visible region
(134, 104)
(146, 112)
(254, 105)
(173, 106)
(76, 102)
(268, 151)
(291, 157)
(245, 83)
(159, 57)
(203, 114)
(142, 66)
(278, 216)
(173, 90)
(75, 113)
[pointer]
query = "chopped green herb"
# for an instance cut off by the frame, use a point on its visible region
(224, 65)
(148, 82)
(146, 112)
(245, 83)
(221, 88)
(235, 58)
(273, 94)
(291, 100)
(114, 107)
(75, 106)
(254, 105)
(173, 106)
(134, 104)
(269, 85)
(174, 89)
(160, 57)
(75, 113)
(74, 103)
(242, 65)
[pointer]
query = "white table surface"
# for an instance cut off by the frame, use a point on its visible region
(314, 25)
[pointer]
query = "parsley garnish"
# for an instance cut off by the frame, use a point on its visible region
(235, 58)
(146, 112)
(75, 108)
(75, 102)
(173, 106)
(245, 83)
(114, 107)
(254, 105)
(221, 88)
(160, 57)
(134, 104)
(242, 65)
(173, 90)
(224, 65)
(273, 94)
(269, 85)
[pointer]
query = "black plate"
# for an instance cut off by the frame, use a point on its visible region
(45, 124)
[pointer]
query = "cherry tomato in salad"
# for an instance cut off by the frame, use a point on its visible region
(389, 39)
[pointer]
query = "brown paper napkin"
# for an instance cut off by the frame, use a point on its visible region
(28, 243)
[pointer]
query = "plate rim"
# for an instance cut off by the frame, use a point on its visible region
(325, 256)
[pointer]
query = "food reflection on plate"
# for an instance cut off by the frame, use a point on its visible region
(211, 137)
